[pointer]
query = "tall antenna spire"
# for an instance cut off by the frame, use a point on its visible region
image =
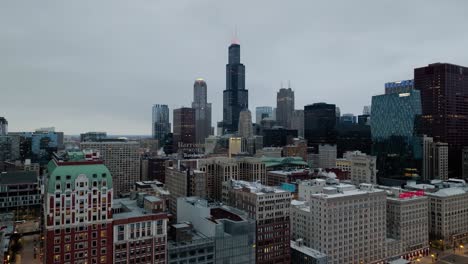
(235, 38)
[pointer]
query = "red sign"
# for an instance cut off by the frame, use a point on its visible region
(411, 194)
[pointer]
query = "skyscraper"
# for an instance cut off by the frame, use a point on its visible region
(444, 96)
(262, 112)
(184, 126)
(297, 122)
(245, 124)
(161, 125)
(320, 124)
(235, 97)
(202, 110)
(3, 126)
(284, 107)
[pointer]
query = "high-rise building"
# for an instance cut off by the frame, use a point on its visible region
(284, 107)
(122, 158)
(269, 207)
(363, 167)
(235, 97)
(444, 93)
(366, 110)
(245, 124)
(160, 125)
(465, 162)
(78, 202)
(320, 123)
(351, 137)
(394, 133)
(348, 118)
(184, 126)
(435, 160)
(262, 112)
(3, 126)
(92, 136)
(297, 122)
(202, 111)
(278, 137)
(39, 145)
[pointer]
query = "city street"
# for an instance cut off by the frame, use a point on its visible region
(27, 253)
(460, 256)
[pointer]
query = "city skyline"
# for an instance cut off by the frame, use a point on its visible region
(129, 58)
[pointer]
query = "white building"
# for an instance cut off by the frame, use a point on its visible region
(363, 167)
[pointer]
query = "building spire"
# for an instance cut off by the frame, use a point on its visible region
(235, 38)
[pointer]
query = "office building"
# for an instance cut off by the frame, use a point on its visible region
(284, 107)
(435, 160)
(10, 148)
(348, 119)
(184, 127)
(245, 124)
(202, 111)
(298, 148)
(122, 158)
(351, 137)
(232, 230)
(465, 162)
(187, 244)
(235, 97)
(363, 119)
(92, 136)
(20, 192)
(363, 167)
(39, 145)
(444, 91)
(160, 125)
(262, 112)
(341, 236)
(139, 231)
(77, 209)
(279, 177)
(3, 126)
(320, 124)
(394, 134)
(269, 207)
(297, 122)
(366, 110)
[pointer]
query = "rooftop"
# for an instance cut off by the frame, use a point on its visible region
(272, 162)
(256, 187)
(307, 250)
(128, 208)
(446, 192)
(18, 177)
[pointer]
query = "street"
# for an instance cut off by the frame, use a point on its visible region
(26, 255)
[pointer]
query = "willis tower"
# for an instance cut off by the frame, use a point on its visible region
(235, 97)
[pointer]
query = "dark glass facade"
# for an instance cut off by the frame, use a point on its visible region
(320, 124)
(184, 126)
(235, 97)
(284, 107)
(161, 125)
(202, 110)
(351, 137)
(444, 97)
(278, 137)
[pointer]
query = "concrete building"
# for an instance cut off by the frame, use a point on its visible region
(276, 178)
(123, 160)
(78, 199)
(269, 207)
(232, 230)
(139, 231)
(448, 215)
(363, 167)
(245, 124)
(349, 223)
(435, 160)
(306, 255)
(298, 148)
(20, 192)
(297, 122)
(92, 136)
(3, 126)
(187, 244)
(343, 164)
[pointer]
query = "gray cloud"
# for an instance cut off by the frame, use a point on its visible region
(100, 65)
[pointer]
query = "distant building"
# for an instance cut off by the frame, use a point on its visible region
(202, 111)
(348, 119)
(269, 207)
(186, 243)
(398, 87)
(262, 112)
(3, 126)
(232, 230)
(39, 145)
(320, 124)
(78, 198)
(351, 137)
(92, 136)
(160, 122)
(20, 192)
(278, 137)
(298, 148)
(363, 167)
(435, 160)
(184, 126)
(123, 160)
(284, 107)
(245, 124)
(139, 231)
(306, 255)
(297, 122)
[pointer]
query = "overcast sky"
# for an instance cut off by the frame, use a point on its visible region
(100, 65)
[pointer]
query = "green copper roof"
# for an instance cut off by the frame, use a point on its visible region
(69, 173)
(272, 162)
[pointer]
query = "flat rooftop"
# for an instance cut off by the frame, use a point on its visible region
(220, 213)
(256, 187)
(307, 250)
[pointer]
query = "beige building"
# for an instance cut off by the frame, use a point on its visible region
(345, 223)
(448, 217)
(122, 158)
(343, 164)
(363, 167)
(435, 160)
